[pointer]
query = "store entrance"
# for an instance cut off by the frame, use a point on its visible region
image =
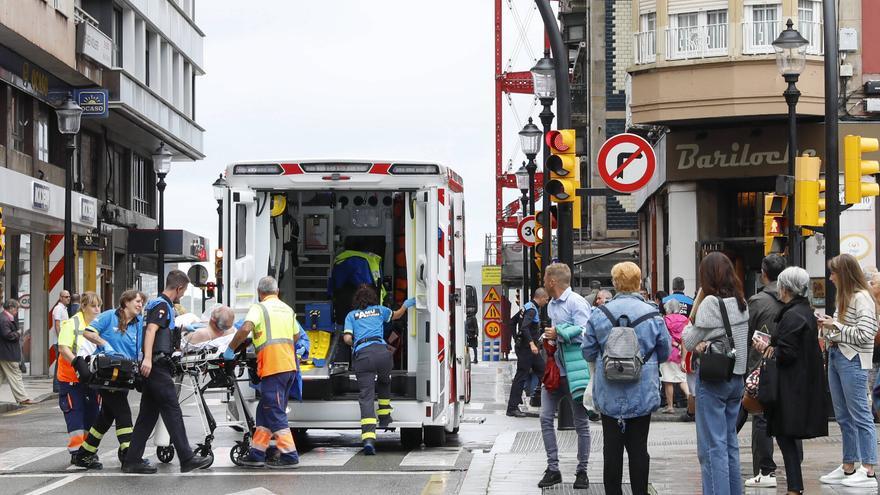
(746, 256)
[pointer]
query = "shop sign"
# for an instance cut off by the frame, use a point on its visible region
(88, 210)
(93, 102)
(27, 76)
(25, 301)
(40, 196)
(93, 43)
(856, 245)
(88, 242)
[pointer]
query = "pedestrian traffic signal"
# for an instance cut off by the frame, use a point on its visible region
(209, 289)
(564, 166)
(855, 167)
(2, 241)
(808, 188)
(218, 266)
(775, 240)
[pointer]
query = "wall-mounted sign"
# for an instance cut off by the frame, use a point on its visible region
(856, 245)
(88, 242)
(40, 196)
(93, 43)
(93, 102)
(88, 210)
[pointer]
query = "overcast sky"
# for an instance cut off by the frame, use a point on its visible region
(396, 80)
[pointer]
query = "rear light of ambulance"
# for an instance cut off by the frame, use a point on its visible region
(257, 169)
(417, 169)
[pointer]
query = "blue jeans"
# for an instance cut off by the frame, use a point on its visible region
(718, 405)
(848, 382)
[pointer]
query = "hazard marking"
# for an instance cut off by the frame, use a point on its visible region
(492, 329)
(492, 296)
(492, 313)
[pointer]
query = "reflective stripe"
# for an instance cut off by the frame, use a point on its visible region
(261, 438)
(89, 448)
(384, 402)
(124, 431)
(76, 334)
(268, 324)
(284, 441)
(95, 433)
(368, 434)
(369, 421)
(124, 445)
(384, 412)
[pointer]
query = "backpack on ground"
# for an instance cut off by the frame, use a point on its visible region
(622, 358)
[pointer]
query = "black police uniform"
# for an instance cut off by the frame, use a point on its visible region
(159, 394)
(526, 360)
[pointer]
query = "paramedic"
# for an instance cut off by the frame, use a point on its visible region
(77, 401)
(372, 363)
(122, 328)
(158, 393)
(275, 332)
(528, 354)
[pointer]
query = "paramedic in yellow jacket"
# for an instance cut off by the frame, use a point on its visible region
(274, 334)
(364, 331)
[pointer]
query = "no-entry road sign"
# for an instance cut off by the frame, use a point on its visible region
(626, 162)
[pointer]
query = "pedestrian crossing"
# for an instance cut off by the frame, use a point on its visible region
(57, 459)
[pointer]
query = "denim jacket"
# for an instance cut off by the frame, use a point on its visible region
(634, 399)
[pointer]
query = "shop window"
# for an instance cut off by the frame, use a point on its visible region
(140, 202)
(745, 215)
(240, 231)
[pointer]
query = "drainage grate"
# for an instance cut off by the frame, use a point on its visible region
(595, 489)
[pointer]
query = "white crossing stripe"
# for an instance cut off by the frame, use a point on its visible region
(254, 491)
(16, 458)
(328, 456)
(58, 484)
(474, 405)
(432, 457)
(221, 458)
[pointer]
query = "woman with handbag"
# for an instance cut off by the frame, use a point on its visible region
(719, 336)
(850, 335)
(798, 386)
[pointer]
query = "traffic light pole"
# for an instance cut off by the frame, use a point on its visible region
(832, 165)
(546, 246)
(791, 98)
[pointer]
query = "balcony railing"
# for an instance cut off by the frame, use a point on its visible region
(697, 42)
(646, 47)
(758, 36)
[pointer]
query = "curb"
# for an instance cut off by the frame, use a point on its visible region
(6, 407)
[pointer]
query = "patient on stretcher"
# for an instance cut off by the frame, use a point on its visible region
(218, 330)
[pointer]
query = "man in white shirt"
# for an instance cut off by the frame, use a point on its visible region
(59, 311)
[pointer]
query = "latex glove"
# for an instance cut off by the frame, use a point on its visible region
(229, 354)
(106, 348)
(409, 303)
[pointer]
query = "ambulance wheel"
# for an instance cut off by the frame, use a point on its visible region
(435, 436)
(165, 454)
(411, 437)
(237, 453)
(454, 431)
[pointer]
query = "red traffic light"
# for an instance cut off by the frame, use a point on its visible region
(210, 285)
(556, 141)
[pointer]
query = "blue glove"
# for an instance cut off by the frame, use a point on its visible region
(229, 354)
(409, 303)
(106, 348)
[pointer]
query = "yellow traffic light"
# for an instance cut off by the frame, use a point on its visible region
(218, 266)
(2, 241)
(808, 188)
(855, 167)
(564, 166)
(775, 224)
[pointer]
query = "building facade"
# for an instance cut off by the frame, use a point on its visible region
(707, 93)
(138, 61)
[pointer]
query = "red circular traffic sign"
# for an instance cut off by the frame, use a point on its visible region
(526, 230)
(626, 162)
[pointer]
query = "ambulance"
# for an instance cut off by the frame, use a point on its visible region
(295, 220)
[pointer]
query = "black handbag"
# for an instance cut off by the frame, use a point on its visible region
(717, 365)
(768, 388)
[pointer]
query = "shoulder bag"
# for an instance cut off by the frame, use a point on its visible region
(717, 366)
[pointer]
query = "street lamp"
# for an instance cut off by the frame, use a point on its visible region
(791, 58)
(530, 138)
(219, 186)
(522, 182)
(69, 119)
(161, 166)
(544, 82)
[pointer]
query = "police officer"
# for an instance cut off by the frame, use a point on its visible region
(364, 330)
(77, 401)
(275, 331)
(528, 352)
(158, 393)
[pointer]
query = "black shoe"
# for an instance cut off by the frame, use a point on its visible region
(142, 467)
(195, 462)
(73, 459)
(283, 463)
(550, 478)
(251, 461)
(593, 416)
(535, 400)
(88, 461)
(516, 414)
(369, 447)
(581, 482)
(687, 418)
(385, 420)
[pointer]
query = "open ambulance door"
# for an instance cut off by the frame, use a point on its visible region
(426, 320)
(248, 221)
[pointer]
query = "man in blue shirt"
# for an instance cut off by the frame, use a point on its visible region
(678, 294)
(528, 351)
(568, 307)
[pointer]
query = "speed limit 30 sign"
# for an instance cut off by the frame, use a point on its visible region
(526, 230)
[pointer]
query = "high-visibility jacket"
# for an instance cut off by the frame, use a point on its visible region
(355, 274)
(71, 335)
(274, 329)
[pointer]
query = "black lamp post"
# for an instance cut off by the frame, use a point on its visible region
(791, 58)
(544, 82)
(219, 186)
(161, 166)
(522, 182)
(530, 140)
(69, 118)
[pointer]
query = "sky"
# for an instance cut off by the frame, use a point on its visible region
(389, 80)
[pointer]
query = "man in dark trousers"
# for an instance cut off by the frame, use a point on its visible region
(158, 393)
(528, 350)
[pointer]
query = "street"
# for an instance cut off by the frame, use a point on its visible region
(501, 455)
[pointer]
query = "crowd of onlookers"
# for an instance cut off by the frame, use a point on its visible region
(772, 357)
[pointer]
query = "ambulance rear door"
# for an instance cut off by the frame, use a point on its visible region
(248, 222)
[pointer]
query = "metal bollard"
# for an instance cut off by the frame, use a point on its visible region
(565, 421)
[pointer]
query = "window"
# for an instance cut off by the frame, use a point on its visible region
(117, 37)
(716, 29)
(20, 120)
(697, 34)
(646, 39)
(140, 203)
(42, 128)
(810, 25)
(760, 28)
(147, 57)
(240, 231)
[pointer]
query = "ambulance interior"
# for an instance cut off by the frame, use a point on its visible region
(308, 230)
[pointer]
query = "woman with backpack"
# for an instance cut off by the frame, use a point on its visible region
(626, 338)
(719, 336)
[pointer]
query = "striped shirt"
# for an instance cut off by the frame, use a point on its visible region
(857, 329)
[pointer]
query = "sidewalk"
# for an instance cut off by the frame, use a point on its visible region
(517, 461)
(39, 389)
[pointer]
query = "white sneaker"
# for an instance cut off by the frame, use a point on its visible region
(860, 479)
(762, 481)
(835, 477)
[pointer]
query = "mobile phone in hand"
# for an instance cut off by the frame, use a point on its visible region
(761, 337)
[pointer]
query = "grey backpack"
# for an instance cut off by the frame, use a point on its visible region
(622, 358)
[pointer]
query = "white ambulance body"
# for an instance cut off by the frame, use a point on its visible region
(410, 214)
